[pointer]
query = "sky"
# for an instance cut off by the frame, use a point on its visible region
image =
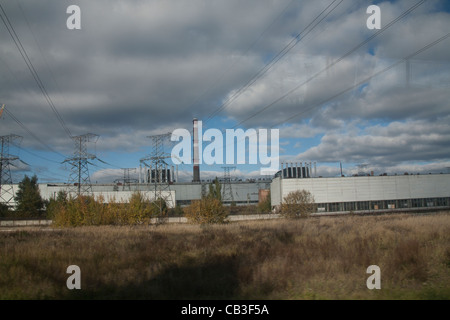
(337, 91)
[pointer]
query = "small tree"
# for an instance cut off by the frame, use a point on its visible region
(206, 211)
(28, 198)
(4, 210)
(177, 211)
(54, 206)
(159, 208)
(215, 190)
(139, 209)
(298, 204)
(265, 206)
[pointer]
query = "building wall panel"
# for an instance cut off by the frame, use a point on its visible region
(373, 188)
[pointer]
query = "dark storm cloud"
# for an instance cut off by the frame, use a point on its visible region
(133, 64)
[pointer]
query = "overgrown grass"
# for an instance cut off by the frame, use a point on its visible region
(315, 258)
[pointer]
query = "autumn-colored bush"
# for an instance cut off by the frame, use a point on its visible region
(208, 210)
(298, 204)
(265, 206)
(89, 211)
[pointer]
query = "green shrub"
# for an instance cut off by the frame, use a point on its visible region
(4, 210)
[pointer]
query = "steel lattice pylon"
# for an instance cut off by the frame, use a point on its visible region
(227, 193)
(6, 184)
(158, 174)
(127, 180)
(79, 179)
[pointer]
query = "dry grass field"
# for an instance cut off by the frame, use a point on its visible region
(314, 258)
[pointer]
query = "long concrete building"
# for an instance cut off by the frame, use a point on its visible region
(340, 194)
(242, 192)
(368, 193)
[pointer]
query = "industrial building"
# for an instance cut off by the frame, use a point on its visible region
(367, 193)
(243, 192)
(337, 194)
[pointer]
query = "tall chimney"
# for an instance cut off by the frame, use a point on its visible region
(196, 177)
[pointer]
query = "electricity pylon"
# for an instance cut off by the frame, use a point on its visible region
(159, 175)
(6, 159)
(127, 180)
(227, 193)
(79, 180)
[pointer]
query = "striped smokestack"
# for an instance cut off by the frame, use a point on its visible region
(196, 153)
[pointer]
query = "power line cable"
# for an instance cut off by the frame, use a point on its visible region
(237, 60)
(20, 123)
(31, 68)
(31, 133)
(6, 21)
(366, 79)
(348, 53)
(36, 155)
(423, 49)
(112, 165)
(52, 75)
(311, 26)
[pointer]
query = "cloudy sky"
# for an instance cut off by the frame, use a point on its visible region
(337, 91)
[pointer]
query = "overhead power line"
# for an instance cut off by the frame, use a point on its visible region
(409, 57)
(31, 68)
(37, 156)
(348, 53)
(50, 72)
(366, 79)
(245, 53)
(309, 28)
(9, 113)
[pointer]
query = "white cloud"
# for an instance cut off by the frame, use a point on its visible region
(387, 145)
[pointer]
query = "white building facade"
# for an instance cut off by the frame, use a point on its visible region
(368, 193)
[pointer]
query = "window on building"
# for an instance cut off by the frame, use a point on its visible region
(334, 207)
(403, 204)
(442, 202)
(416, 203)
(430, 202)
(363, 205)
(391, 204)
(350, 206)
(377, 205)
